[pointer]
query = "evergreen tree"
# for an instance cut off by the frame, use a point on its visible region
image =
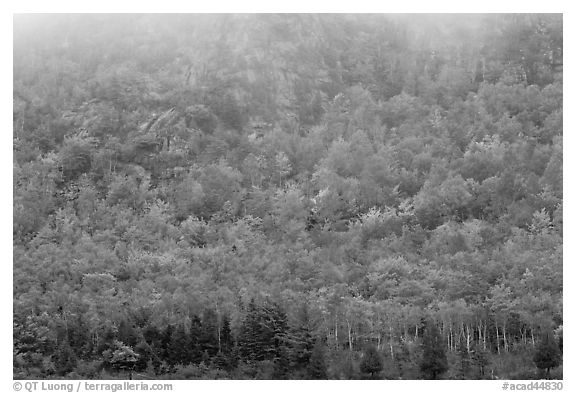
(317, 364)
(145, 355)
(276, 330)
(263, 333)
(126, 333)
(300, 340)
(78, 336)
(465, 359)
(226, 358)
(481, 359)
(371, 362)
(226, 339)
(281, 363)
(208, 340)
(249, 344)
(180, 347)
(165, 343)
(64, 359)
(547, 354)
(107, 340)
(434, 362)
(195, 352)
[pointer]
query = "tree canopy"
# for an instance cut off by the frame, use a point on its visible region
(185, 186)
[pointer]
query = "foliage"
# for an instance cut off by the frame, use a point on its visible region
(271, 196)
(434, 362)
(547, 354)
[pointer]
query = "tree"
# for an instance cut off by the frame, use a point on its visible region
(547, 354)
(64, 359)
(75, 156)
(194, 352)
(180, 347)
(121, 357)
(208, 339)
(369, 166)
(317, 365)
(371, 362)
(300, 339)
(226, 340)
(249, 345)
(434, 362)
(263, 333)
(480, 357)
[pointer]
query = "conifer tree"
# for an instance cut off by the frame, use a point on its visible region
(64, 359)
(300, 340)
(195, 352)
(317, 364)
(249, 345)
(434, 362)
(208, 339)
(226, 339)
(276, 328)
(547, 354)
(481, 359)
(165, 342)
(371, 362)
(179, 348)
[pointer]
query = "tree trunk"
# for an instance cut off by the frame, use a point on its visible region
(504, 335)
(336, 332)
(479, 334)
(390, 343)
(497, 339)
(349, 335)
(523, 332)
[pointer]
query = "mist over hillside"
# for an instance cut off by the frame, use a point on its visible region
(287, 196)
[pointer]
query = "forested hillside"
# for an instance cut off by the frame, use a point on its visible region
(287, 196)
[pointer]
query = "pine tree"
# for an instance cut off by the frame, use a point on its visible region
(276, 328)
(547, 354)
(317, 365)
(126, 333)
(248, 340)
(64, 359)
(179, 348)
(107, 339)
(195, 352)
(481, 359)
(300, 340)
(371, 362)
(165, 342)
(434, 362)
(78, 336)
(263, 333)
(281, 363)
(465, 359)
(226, 358)
(226, 340)
(208, 340)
